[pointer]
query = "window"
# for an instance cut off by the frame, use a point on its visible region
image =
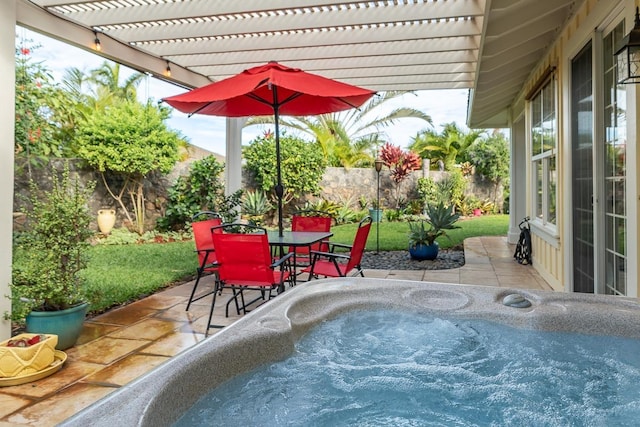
(543, 152)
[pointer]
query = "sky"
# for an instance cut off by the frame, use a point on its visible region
(208, 132)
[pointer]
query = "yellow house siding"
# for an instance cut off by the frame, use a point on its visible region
(549, 259)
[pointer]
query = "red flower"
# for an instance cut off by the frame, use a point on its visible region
(25, 51)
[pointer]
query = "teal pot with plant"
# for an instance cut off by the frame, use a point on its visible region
(52, 253)
(375, 214)
(66, 324)
(423, 234)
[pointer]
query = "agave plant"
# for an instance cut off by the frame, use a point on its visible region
(255, 205)
(439, 219)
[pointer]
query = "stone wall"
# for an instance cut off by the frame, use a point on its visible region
(155, 191)
(338, 184)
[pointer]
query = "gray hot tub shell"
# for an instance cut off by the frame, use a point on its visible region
(268, 334)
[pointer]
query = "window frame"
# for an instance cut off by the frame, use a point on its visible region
(541, 215)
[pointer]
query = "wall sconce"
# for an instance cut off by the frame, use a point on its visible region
(167, 71)
(96, 42)
(628, 55)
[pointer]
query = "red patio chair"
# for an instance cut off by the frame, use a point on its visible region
(207, 262)
(332, 264)
(310, 221)
(244, 258)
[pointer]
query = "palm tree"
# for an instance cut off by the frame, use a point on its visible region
(348, 138)
(107, 81)
(449, 146)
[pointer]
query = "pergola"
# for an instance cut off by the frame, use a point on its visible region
(487, 46)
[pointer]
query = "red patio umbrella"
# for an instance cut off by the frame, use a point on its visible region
(271, 89)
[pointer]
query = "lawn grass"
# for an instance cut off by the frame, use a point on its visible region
(394, 235)
(119, 274)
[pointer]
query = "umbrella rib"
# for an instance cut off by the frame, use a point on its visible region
(199, 109)
(264, 101)
(349, 104)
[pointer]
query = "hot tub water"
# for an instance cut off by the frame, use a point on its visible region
(395, 368)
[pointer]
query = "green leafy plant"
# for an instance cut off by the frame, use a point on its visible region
(128, 141)
(255, 205)
(363, 202)
(323, 205)
(487, 207)
(47, 278)
(201, 190)
(392, 215)
(302, 164)
(466, 205)
(439, 219)
(345, 215)
(491, 159)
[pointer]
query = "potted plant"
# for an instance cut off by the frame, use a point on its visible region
(375, 212)
(47, 290)
(423, 234)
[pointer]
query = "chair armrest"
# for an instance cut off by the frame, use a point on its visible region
(205, 260)
(329, 255)
(282, 260)
(333, 245)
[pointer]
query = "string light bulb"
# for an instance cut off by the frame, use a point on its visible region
(168, 70)
(96, 42)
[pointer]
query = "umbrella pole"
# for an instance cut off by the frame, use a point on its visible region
(279, 188)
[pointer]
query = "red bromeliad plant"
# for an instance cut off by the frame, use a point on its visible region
(400, 164)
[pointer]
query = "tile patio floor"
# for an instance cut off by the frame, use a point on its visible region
(124, 343)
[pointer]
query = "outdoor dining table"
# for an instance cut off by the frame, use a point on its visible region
(295, 239)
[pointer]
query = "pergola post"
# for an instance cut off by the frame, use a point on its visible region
(233, 156)
(7, 118)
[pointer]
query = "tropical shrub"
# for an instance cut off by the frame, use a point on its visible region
(401, 163)
(128, 141)
(490, 157)
(302, 165)
(449, 190)
(54, 250)
(323, 205)
(427, 190)
(36, 96)
(201, 190)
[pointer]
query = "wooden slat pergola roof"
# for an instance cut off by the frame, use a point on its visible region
(487, 46)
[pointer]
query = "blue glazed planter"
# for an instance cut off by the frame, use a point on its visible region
(424, 252)
(66, 324)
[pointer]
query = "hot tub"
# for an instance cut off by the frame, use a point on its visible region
(269, 333)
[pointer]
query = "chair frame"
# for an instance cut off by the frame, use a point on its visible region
(353, 259)
(205, 251)
(304, 253)
(239, 285)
